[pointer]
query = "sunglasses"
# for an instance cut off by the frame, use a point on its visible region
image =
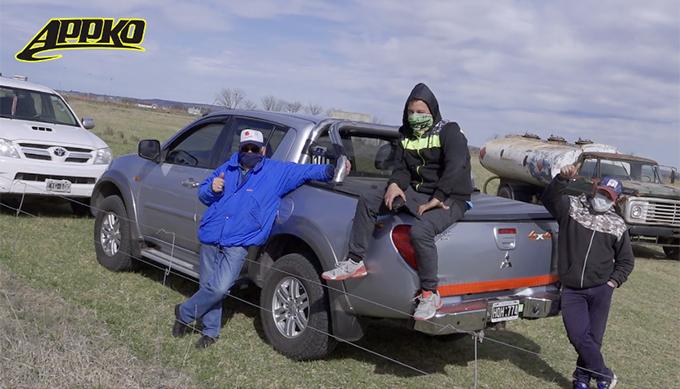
(250, 149)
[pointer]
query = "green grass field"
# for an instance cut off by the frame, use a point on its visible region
(51, 257)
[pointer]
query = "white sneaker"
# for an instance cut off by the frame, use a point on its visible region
(345, 270)
(428, 304)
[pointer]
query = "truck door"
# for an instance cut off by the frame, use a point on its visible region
(169, 191)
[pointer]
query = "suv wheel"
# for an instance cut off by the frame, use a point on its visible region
(295, 317)
(112, 235)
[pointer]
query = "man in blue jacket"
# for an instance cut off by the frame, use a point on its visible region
(243, 196)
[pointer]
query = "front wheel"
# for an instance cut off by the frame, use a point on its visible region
(112, 235)
(672, 252)
(295, 314)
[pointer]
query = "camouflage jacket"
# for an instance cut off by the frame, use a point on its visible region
(593, 248)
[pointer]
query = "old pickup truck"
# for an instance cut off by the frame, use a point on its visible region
(525, 164)
(497, 264)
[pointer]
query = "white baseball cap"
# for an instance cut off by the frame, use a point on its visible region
(252, 136)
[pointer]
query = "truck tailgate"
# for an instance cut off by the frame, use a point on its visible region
(487, 256)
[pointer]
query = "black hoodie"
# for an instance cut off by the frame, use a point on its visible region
(438, 163)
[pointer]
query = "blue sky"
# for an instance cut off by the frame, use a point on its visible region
(605, 70)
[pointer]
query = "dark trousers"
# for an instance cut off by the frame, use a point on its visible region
(585, 312)
(423, 231)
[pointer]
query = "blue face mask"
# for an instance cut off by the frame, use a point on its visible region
(249, 160)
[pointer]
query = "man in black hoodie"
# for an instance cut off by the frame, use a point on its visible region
(595, 257)
(431, 180)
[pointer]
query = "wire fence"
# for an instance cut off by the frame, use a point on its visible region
(477, 336)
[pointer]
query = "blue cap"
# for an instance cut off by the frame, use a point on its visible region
(612, 186)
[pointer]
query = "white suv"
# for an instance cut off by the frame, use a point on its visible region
(44, 149)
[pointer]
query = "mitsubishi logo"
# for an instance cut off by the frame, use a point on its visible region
(59, 151)
(506, 261)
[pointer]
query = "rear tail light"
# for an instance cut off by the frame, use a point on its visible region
(401, 237)
(507, 231)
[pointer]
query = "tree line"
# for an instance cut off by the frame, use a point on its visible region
(235, 98)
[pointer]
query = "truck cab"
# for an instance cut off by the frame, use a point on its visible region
(651, 206)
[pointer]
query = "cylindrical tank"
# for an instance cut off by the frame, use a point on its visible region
(529, 159)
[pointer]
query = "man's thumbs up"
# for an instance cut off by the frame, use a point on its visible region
(218, 183)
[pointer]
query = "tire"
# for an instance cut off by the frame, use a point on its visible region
(81, 207)
(299, 342)
(672, 252)
(513, 193)
(112, 236)
(10, 204)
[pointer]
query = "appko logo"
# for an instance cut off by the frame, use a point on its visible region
(84, 33)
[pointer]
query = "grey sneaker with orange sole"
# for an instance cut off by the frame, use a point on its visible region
(345, 270)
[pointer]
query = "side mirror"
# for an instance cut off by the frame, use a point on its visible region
(672, 176)
(88, 123)
(340, 171)
(149, 149)
(384, 158)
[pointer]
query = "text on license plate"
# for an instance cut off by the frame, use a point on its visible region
(505, 310)
(63, 186)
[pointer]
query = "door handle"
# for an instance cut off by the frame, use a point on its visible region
(190, 183)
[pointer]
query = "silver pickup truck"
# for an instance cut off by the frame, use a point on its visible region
(497, 264)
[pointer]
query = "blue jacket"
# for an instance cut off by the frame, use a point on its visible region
(243, 215)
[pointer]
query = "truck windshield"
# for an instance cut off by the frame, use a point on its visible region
(630, 170)
(36, 106)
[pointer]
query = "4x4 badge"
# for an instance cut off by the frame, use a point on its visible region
(533, 235)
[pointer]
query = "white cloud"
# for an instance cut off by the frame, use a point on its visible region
(607, 70)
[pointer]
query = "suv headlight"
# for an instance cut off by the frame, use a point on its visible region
(103, 157)
(638, 210)
(7, 149)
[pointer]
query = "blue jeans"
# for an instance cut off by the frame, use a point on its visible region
(584, 313)
(219, 269)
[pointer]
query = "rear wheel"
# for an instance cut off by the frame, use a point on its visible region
(295, 314)
(514, 192)
(112, 235)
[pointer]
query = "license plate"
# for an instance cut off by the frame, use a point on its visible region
(63, 186)
(505, 310)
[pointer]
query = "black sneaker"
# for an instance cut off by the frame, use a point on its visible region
(179, 329)
(205, 341)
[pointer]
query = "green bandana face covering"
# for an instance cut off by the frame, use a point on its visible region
(420, 122)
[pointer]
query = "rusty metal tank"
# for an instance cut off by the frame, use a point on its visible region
(528, 158)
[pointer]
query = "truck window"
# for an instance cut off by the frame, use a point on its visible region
(588, 168)
(370, 156)
(196, 148)
(619, 169)
(36, 106)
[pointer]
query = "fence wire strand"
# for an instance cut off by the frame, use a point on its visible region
(476, 336)
(167, 270)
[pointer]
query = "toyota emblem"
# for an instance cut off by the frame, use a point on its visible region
(59, 152)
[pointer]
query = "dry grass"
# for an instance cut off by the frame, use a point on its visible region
(46, 342)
